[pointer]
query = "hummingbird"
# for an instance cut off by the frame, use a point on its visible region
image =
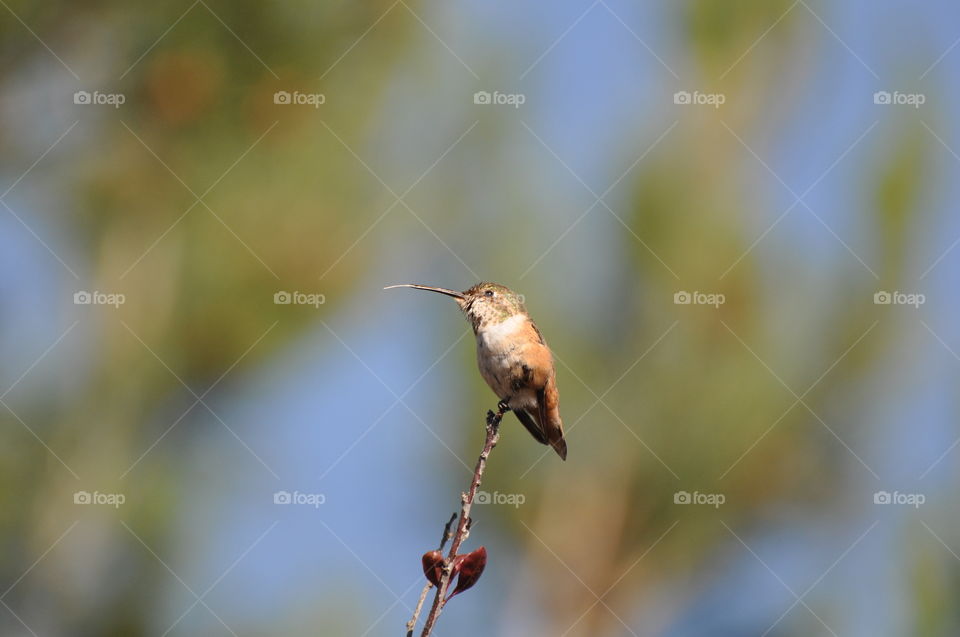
(513, 357)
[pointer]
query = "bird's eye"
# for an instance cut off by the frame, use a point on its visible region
(489, 293)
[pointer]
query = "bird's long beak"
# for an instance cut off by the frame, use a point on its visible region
(448, 292)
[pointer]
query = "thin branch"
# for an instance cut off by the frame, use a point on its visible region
(447, 535)
(463, 526)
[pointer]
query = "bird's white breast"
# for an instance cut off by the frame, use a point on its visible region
(498, 353)
(499, 338)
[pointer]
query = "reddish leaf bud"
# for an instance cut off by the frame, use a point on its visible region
(433, 566)
(470, 567)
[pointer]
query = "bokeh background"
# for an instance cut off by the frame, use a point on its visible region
(798, 402)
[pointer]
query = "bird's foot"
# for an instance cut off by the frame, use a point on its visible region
(503, 406)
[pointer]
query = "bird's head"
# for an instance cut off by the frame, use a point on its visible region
(484, 303)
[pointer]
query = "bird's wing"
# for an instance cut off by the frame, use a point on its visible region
(527, 420)
(548, 402)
